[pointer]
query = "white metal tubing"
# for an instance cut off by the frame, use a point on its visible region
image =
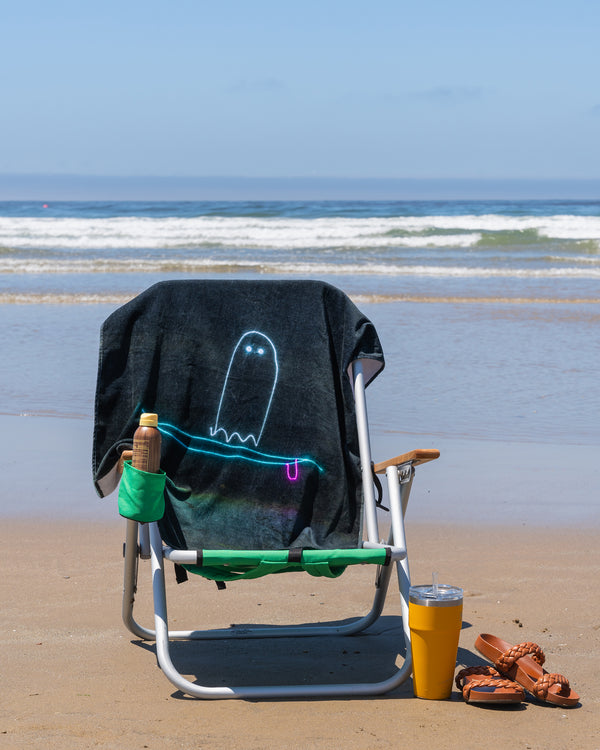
(397, 553)
(287, 691)
(398, 501)
(130, 575)
(276, 631)
(130, 570)
(254, 692)
(362, 425)
(296, 631)
(273, 631)
(282, 631)
(189, 557)
(250, 692)
(275, 691)
(399, 537)
(160, 604)
(395, 506)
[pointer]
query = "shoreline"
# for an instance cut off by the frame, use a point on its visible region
(45, 464)
(373, 298)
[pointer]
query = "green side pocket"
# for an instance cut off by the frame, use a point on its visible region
(141, 494)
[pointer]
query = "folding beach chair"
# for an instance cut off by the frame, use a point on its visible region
(259, 387)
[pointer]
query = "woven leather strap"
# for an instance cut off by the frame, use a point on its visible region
(489, 677)
(541, 687)
(508, 658)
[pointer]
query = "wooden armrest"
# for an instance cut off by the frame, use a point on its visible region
(416, 457)
(125, 456)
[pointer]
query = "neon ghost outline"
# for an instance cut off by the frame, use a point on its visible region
(239, 350)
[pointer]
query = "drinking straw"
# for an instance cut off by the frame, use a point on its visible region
(434, 577)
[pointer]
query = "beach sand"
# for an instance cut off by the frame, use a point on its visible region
(73, 676)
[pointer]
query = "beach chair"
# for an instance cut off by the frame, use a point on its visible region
(259, 387)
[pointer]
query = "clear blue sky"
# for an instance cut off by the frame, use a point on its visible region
(252, 88)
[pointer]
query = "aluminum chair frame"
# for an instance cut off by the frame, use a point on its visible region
(144, 541)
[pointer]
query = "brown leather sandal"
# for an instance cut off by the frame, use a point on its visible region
(485, 685)
(523, 664)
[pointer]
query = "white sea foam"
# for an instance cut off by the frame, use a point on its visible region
(234, 232)
(102, 298)
(285, 233)
(38, 265)
(564, 226)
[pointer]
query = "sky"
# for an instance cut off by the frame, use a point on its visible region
(317, 89)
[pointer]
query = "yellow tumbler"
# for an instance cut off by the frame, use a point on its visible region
(435, 620)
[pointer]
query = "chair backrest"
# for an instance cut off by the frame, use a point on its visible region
(251, 384)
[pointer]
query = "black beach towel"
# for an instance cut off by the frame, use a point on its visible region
(250, 383)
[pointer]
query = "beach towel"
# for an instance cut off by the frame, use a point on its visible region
(250, 381)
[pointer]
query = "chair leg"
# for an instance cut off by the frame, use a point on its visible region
(285, 691)
(133, 553)
(399, 491)
(130, 576)
(251, 692)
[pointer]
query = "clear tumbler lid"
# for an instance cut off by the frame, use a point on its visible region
(438, 595)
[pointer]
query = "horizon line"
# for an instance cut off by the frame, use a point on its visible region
(79, 186)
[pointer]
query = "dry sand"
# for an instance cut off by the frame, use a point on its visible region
(73, 676)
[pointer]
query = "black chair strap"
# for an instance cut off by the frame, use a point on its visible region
(181, 575)
(379, 488)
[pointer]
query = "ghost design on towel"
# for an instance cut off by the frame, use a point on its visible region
(248, 390)
(244, 405)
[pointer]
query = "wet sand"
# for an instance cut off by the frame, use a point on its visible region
(45, 471)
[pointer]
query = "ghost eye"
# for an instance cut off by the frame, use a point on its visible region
(261, 350)
(248, 349)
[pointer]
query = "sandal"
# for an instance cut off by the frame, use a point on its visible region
(523, 663)
(485, 685)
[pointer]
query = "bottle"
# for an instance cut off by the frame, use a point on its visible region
(146, 444)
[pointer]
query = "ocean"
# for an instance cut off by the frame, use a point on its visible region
(437, 248)
(488, 311)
